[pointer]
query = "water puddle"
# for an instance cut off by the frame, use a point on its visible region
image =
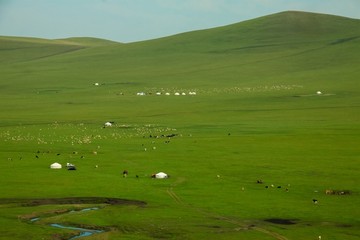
(84, 232)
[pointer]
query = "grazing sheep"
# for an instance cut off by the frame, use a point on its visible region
(315, 201)
(329, 192)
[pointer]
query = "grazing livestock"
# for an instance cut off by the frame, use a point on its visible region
(329, 192)
(315, 201)
(259, 181)
(125, 173)
(171, 135)
(337, 192)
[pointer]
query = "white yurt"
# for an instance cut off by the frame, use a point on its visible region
(161, 175)
(55, 166)
(108, 124)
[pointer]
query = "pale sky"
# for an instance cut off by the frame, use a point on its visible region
(137, 20)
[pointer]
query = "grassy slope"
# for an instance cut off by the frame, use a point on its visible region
(247, 76)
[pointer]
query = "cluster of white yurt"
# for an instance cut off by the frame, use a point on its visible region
(167, 93)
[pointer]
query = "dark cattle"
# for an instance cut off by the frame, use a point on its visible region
(125, 173)
(171, 135)
(315, 201)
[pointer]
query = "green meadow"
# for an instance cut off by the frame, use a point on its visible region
(277, 100)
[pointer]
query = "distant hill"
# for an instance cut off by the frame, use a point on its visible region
(281, 28)
(15, 49)
(288, 47)
(87, 41)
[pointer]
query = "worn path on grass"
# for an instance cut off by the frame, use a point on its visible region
(177, 199)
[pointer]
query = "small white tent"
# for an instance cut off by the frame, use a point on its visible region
(107, 124)
(161, 175)
(55, 166)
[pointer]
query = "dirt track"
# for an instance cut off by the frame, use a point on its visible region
(177, 199)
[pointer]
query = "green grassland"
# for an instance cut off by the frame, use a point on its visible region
(256, 115)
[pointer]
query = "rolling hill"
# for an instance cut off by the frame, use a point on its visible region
(282, 43)
(311, 50)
